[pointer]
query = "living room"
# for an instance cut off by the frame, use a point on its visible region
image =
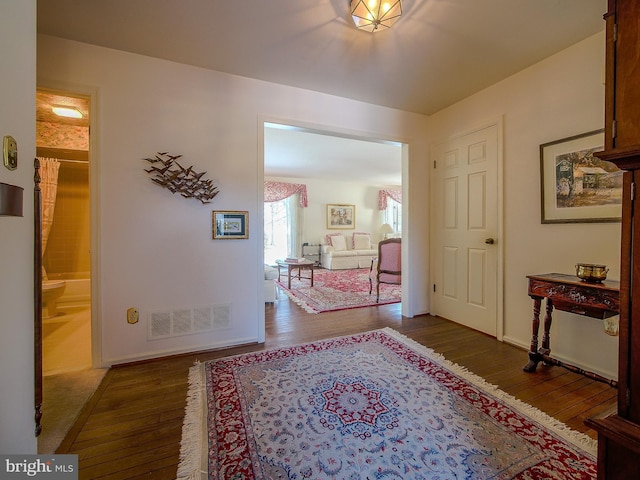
(321, 194)
(334, 169)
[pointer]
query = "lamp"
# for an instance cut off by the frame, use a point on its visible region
(385, 230)
(64, 111)
(375, 15)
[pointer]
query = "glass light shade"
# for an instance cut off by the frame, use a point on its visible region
(64, 111)
(375, 15)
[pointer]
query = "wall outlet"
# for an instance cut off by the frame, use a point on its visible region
(132, 315)
(611, 326)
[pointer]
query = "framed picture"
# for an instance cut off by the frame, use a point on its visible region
(229, 225)
(577, 187)
(341, 216)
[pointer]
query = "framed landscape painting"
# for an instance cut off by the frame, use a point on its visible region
(230, 225)
(576, 186)
(341, 216)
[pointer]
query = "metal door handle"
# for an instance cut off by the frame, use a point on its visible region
(489, 241)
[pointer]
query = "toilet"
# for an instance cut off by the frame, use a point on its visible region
(52, 290)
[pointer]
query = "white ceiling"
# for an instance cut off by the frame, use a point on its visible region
(437, 53)
(295, 152)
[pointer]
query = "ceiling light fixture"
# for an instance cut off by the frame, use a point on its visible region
(64, 111)
(375, 15)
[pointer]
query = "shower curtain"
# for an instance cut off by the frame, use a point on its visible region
(49, 185)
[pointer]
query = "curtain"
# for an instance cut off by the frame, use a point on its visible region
(49, 185)
(275, 191)
(394, 193)
(295, 217)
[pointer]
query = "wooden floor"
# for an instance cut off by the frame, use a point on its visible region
(131, 428)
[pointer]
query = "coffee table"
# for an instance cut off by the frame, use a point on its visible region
(292, 266)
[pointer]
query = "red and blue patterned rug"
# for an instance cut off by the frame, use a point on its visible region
(338, 290)
(371, 406)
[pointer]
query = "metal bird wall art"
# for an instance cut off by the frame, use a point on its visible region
(168, 173)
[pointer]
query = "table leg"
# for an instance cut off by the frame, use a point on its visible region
(533, 348)
(290, 267)
(311, 268)
(545, 349)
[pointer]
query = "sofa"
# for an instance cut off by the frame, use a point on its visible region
(270, 276)
(342, 252)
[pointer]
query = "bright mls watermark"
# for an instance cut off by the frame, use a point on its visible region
(52, 467)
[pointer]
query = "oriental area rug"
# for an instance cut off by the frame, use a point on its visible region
(337, 290)
(371, 406)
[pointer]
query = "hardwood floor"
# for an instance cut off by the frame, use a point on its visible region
(131, 428)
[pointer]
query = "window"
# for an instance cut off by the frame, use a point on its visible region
(281, 229)
(393, 215)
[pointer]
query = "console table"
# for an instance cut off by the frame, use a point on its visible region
(569, 294)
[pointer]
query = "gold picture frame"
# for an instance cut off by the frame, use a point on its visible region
(230, 224)
(340, 216)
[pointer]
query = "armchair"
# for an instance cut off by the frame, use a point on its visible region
(388, 267)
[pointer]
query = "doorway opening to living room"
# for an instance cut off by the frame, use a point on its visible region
(307, 171)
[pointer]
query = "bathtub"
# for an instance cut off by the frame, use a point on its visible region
(77, 293)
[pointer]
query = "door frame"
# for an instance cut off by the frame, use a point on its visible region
(64, 88)
(407, 267)
(498, 122)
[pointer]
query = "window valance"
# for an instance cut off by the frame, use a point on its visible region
(394, 193)
(276, 191)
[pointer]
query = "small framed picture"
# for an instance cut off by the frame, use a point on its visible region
(341, 216)
(576, 186)
(229, 225)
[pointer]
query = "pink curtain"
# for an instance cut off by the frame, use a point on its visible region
(275, 191)
(395, 194)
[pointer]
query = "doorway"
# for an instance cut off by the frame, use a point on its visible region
(63, 151)
(62, 146)
(334, 167)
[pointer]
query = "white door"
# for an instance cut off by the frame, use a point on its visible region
(465, 225)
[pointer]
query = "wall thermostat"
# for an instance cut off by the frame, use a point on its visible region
(10, 152)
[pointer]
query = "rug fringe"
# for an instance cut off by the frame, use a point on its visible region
(580, 440)
(299, 301)
(193, 434)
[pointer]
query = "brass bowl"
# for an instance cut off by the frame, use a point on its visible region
(591, 273)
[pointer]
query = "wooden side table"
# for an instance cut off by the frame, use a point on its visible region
(569, 294)
(291, 266)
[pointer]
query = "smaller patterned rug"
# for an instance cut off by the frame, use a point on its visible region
(337, 290)
(371, 406)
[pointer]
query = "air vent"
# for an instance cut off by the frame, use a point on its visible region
(189, 321)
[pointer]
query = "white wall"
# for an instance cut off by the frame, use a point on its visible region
(17, 118)
(329, 191)
(557, 98)
(156, 250)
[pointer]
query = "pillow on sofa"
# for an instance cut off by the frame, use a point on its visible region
(329, 237)
(361, 241)
(338, 242)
